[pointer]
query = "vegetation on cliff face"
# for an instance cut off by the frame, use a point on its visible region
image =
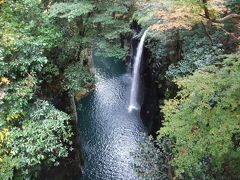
(103, 24)
(204, 121)
(33, 131)
(43, 46)
(44, 43)
(198, 41)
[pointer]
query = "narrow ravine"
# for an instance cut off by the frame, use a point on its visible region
(109, 133)
(134, 100)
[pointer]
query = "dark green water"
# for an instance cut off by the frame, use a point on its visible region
(108, 132)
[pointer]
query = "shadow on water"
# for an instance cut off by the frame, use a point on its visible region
(109, 133)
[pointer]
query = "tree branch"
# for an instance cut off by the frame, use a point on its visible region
(228, 17)
(206, 12)
(231, 34)
(207, 33)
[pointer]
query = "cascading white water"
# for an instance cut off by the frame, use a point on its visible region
(136, 75)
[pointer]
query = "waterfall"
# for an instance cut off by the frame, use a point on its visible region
(136, 76)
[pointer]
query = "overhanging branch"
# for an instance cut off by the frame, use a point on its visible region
(228, 17)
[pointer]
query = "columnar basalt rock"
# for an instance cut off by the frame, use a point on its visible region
(156, 86)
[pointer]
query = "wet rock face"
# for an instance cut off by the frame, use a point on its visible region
(156, 86)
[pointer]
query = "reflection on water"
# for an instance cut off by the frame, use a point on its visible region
(108, 132)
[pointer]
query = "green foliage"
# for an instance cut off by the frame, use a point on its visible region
(93, 24)
(7, 167)
(49, 72)
(122, 9)
(6, 162)
(22, 44)
(198, 51)
(112, 25)
(22, 56)
(76, 82)
(151, 159)
(145, 16)
(204, 117)
(32, 132)
(42, 137)
(159, 43)
(16, 104)
(202, 121)
(234, 5)
(107, 49)
(70, 10)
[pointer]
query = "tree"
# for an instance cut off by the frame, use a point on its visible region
(100, 23)
(203, 119)
(31, 131)
(179, 14)
(41, 45)
(41, 140)
(199, 121)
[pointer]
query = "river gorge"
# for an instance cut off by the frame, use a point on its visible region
(109, 133)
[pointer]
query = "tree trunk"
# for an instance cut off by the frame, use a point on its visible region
(206, 12)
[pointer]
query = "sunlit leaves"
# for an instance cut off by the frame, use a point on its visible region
(2, 1)
(118, 9)
(17, 99)
(205, 115)
(4, 81)
(166, 15)
(176, 14)
(6, 163)
(70, 10)
(44, 138)
(26, 37)
(3, 136)
(89, 20)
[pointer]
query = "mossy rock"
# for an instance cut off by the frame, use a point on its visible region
(84, 91)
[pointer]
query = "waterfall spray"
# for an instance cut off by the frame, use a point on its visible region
(136, 76)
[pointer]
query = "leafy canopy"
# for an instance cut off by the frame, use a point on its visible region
(32, 132)
(204, 117)
(70, 10)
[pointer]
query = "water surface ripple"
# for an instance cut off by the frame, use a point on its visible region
(108, 132)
